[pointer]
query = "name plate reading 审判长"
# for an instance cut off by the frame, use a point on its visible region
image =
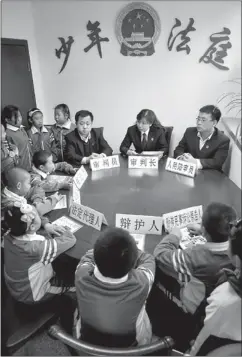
(80, 177)
(87, 216)
(108, 162)
(181, 167)
(182, 217)
(143, 162)
(139, 224)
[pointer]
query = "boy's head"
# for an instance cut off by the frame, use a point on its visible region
(62, 114)
(43, 161)
(22, 219)
(216, 222)
(208, 117)
(35, 118)
(84, 120)
(18, 181)
(115, 253)
(11, 115)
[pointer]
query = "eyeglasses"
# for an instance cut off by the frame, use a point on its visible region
(203, 120)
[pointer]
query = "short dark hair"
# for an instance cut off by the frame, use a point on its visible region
(83, 114)
(40, 158)
(8, 112)
(236, 239)
(115, 253)
(30, 115)
(12, 217)
(213, 110)
(150, 116)
(216, 220)
(64, 108)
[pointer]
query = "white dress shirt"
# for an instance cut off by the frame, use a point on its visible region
(202, 142)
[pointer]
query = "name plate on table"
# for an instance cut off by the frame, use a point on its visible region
(183, 217)
(139, 224)
(75, 195)
(105, 163)
(181, 167)
(143, 162)
(87, 215)
(80, 177)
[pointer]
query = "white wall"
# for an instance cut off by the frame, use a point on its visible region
(18, 23)
(115, 88)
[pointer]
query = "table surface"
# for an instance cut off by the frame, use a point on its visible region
(146, 192)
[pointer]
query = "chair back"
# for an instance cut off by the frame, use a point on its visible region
(168, 133)
(163, 344)
(233, 349)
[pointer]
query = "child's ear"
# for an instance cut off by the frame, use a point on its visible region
(18, 185)
(66, 116)
(42, 168)
(32, 227)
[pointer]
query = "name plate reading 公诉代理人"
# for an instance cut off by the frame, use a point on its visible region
(108, 162)
(181, 167)
(143, 162)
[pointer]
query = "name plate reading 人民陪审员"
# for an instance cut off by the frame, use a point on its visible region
(139, 224)
(80, 177)
(102, 163)
(181, 167)
(182, 217)
(87, 216)
(143, 162)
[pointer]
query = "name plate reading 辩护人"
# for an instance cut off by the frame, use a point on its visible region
(80, 177)
(139, 224)
(88, 216)
(143, 162)
(108, 162)
(181, 167)
(182, 217)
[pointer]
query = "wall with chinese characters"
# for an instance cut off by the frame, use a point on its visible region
(115, 87)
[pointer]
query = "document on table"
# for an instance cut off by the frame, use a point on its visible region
(139, 240)
(62, 203)
(67, 222)
(152, 153)
(58, 178)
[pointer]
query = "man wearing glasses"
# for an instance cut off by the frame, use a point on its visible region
(204, 145)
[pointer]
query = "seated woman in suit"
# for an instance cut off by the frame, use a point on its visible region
(146, 135)
(85, 142)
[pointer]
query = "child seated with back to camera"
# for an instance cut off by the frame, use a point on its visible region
(112, 282)
(59, 130)
(43, 166)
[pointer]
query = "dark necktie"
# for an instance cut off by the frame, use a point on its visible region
(144, 140)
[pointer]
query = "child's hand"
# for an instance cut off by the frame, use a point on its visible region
(56, 197)
(67, 185)
(176, 231)
(194, 228)
(54, 229)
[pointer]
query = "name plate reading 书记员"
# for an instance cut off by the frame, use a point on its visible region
(80, 177)
(143, 162)
(181, 167)
(108, 162)
(182, 217)
(139, 224)
(87, 215)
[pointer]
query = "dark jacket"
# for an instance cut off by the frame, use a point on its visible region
(57, 137)
(39, 140)
(156, 140)
(74, 152)
(213, 153)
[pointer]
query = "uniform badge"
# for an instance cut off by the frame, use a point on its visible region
(207, 146)
(137, 29)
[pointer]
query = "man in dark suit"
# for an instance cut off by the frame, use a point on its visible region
(204, 145)
(85, 143)
(147, 135)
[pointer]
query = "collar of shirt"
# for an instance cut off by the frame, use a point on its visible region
(83, 137)
(217, 247)
(208, 138)
(14, 128)
(14, 196)
(30, 237)
(104, 279)
(67, 125)
(41, 173)
(35, 130)
(145, 132)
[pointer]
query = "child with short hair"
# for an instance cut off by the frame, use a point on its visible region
(18, 189)
(39, 135)
(12, 117)
(9, 153)
(43, 166)
(30, 278)
(112, 284)
(59, 130)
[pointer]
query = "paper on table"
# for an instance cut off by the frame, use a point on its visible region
(62, 203)
(58, 178)
(67, 222)
(139, 240)
(187, 240)
(80, 177)
(152, 153)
